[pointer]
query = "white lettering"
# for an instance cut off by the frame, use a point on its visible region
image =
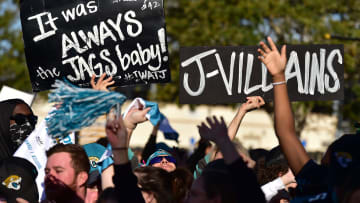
(197, 59)
(43, 34)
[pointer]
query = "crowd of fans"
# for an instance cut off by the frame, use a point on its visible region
(219, 170)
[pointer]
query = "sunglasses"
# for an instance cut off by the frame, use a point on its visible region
(158, 159)
(21, 119)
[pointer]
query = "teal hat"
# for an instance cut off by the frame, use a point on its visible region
(95, 152)
(159, 152)
(163, 146)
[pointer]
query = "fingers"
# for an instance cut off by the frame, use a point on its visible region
(216, 121)
(101, 84)
(272, 44)
(262, 59)
(121, 123)
(222, 120)
(108, 81)
(262, 53)
(92, 81)
(261, 101)
(283, 51)
(101, 78)
(265, 47)
(202, 126)
(255, 101)
(110, 125)
(146, 110)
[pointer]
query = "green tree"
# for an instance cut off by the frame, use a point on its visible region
(13, 69)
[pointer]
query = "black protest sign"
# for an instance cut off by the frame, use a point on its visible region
(125, 39)
(211, 75)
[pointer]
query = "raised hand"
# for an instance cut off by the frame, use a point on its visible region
(216, 132)
(252, 103)
(116, 133)
(101, 83)
(274, 62)
(135, 116)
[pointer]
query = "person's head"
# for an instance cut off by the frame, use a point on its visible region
(275, 165)
(344, 156)
(98, 164)
(17, 180)
(156, 184)
(182, 181)
(66, 165)
(162, 159)
(214, 185)
(257, 154)
(17, 121)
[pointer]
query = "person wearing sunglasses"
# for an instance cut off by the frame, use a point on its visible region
(162, 159)
(17, 121)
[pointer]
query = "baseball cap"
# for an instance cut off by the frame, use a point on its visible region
(345, 155)
(95, 154)
(17, 179)
(159, 152)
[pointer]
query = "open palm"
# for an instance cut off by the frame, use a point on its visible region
(274, 61)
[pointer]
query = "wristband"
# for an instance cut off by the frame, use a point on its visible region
(278, 83)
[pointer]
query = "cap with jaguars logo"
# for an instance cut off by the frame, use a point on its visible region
(345, 155)
(17, 179)
(98, 162)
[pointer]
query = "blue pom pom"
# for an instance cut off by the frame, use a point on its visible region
(80, 107)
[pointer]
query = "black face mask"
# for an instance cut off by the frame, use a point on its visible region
(18, 133)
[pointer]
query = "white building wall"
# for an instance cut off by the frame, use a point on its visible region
(256, 130)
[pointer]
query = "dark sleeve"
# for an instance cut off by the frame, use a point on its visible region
(149, 148)
(199, 167)
(244, 180)
(312, 179)
(126, 185)
(196, 157)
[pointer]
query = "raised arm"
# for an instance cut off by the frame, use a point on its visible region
(217, 132)
(150, 146)
(250, 104)
(117, 135)
(243, 178)
(284, 120)
(134, 117)
(125, 181)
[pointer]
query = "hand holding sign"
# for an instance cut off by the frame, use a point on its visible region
(101, 84)
(274, 62)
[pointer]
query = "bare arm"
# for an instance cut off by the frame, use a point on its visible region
(134, 117)
(124, 180)
(250, 104)
(118, 138)
(284, 120)
(106, 177)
